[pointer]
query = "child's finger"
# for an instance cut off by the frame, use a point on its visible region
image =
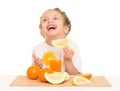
(39, 63)
(34, 57)
(65, 51)
(68, 51)
(72, 51)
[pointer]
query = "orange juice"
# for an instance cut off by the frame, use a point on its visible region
(55, 65)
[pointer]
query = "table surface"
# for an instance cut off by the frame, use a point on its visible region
(5, 81)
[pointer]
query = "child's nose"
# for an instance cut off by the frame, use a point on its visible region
(50, 20)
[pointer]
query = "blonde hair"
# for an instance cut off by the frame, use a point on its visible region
(66, 19)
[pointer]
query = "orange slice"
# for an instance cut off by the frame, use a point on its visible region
(87, 75)
(48, 56)
(60, 43)
(77, 80)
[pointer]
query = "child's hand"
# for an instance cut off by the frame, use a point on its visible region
(37, 61)
(68, 53)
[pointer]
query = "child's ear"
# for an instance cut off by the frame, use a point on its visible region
(66, 30)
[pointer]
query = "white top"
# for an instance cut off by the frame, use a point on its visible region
(43, 47)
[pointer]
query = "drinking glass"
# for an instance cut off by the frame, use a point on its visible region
(55, 65)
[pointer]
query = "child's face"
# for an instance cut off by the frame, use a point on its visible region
(52, 25)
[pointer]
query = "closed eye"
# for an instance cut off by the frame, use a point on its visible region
(56, 18)
(44, 20)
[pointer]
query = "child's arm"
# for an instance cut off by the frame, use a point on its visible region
(70, 68)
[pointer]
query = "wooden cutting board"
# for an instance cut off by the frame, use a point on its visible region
(97, 81)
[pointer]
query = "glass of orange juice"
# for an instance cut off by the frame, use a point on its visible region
(55, 65)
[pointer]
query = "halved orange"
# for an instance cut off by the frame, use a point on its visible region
(41, 74)
(65, 73)
(48, 56)
(55, 78)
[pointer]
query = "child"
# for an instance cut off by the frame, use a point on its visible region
(54, 24)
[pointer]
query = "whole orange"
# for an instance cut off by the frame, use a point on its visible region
(32, 72)
(42, 72)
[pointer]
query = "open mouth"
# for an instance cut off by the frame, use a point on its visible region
(51, 27)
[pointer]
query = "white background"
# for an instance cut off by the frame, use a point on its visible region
(95, 28)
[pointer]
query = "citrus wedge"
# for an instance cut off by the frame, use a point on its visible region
(66, 76)
(55, 78)
(87, 75)
(60, 43)
(65, 73)
(48, 56)
(77, 80)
